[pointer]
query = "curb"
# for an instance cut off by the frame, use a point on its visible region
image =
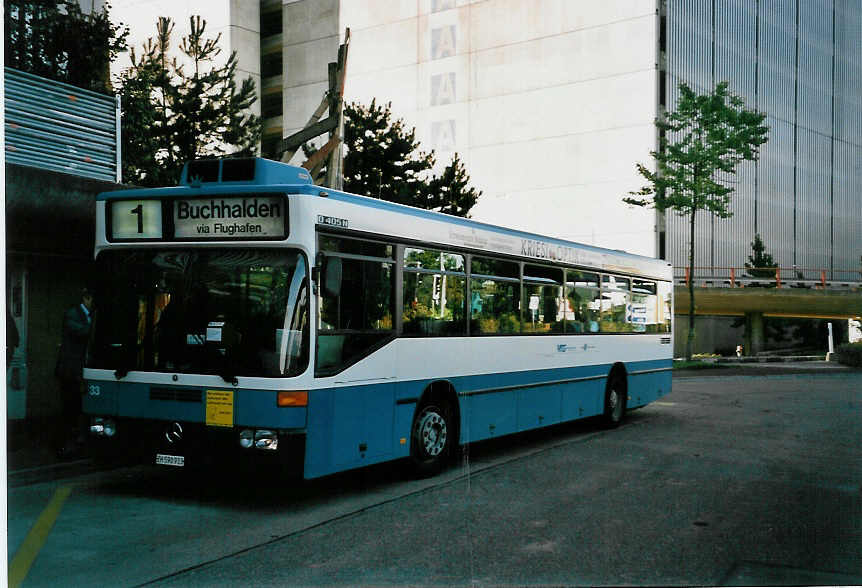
(772, 359)
(761, 359)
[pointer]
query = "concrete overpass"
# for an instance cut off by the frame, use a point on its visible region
(723, 294)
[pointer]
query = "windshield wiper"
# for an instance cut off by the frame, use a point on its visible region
(228, 377)
(125, 364)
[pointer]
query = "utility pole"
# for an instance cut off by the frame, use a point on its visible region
(331, 152)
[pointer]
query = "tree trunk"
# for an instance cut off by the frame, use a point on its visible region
(689, 344)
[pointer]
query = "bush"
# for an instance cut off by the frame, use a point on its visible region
(850, 354)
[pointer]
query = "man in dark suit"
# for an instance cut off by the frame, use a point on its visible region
(70, 364)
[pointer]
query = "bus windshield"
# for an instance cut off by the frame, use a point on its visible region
(228, 312)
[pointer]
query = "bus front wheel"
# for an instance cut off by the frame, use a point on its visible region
(615, 400)
(430, 438)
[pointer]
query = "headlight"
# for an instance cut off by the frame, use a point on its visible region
(103, 427)
(266, 439)
(246, 438)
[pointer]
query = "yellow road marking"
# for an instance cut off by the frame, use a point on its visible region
(35, 539)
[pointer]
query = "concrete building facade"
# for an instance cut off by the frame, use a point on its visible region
(551, 104)
(799, 62)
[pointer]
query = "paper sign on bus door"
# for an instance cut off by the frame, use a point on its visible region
(219, 408)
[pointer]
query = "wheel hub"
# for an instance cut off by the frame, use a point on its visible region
(432, 433)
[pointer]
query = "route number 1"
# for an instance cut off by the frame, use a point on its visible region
(136, 219)
(139, 210)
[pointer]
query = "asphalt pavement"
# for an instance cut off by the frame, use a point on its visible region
(32, 455)
(728, 480)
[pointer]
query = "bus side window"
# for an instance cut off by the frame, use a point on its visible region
(544, 311)
(584, 302)
(645, 308)
(665, 316)
(435, 287)
(495, 304)
(356, 317)
(616, 305)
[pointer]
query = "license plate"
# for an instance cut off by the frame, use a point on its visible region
(170, 460)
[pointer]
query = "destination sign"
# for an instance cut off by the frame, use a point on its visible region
(254, 217)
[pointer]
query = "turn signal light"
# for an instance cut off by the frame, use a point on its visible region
(293, 398)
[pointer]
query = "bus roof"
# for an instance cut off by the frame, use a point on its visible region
(257, 175)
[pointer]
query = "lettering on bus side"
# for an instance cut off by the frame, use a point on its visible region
(332, 221)
(541, 250)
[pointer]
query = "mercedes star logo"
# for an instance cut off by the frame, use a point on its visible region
(174, 433)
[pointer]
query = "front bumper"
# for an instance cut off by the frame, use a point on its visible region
(197, 444)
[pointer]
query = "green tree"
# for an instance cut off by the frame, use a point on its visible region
(383, 159)
(56, 40)
(760, 264)
(177, 111)
(700, 145)
(450, 192)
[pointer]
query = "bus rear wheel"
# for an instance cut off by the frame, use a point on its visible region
(615, 400)
(431, 438)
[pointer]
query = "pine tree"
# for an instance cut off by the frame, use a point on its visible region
(760, 264)
(450, 192)
(173, 115)
(383, 159)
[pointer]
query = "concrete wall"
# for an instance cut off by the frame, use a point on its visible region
(549, 104)
(713, 334)
(310, 36)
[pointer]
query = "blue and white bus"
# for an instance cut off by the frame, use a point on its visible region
(249, 312)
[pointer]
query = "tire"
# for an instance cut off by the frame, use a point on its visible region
(615, 400)
(431, 438)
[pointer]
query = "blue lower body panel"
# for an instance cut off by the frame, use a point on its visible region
(248, 408)
(356, 426)
(353, 426)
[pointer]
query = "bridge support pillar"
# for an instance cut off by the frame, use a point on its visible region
(754, 335)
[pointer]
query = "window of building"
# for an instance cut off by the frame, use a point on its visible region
(271, 65)
(270, 22)
(271, 105)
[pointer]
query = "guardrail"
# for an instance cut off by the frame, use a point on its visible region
(56, 126)
(777, 277)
